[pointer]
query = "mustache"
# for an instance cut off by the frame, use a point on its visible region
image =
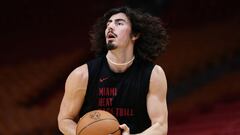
(112, 33)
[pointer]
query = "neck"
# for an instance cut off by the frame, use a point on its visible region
(119, 63)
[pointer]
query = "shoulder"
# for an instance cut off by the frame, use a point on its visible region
(157, 72)
(80, 72)
(78, 78)
(158, 81)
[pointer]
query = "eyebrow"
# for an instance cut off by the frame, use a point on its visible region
(117, 20)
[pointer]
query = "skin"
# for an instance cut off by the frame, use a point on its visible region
(120, 25)
(76, 84)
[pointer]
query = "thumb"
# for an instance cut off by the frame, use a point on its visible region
(125, 129)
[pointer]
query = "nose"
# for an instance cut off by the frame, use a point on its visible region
(110, 27)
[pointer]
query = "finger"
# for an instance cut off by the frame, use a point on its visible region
(124, 127)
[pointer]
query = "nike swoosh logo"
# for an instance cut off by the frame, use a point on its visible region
(103, 79)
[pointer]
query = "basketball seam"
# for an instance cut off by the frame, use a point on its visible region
(95, 122)
(115, 131)
(89, 113)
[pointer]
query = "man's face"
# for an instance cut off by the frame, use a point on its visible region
(118, 31)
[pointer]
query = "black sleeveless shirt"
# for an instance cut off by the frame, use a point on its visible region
(122, 94)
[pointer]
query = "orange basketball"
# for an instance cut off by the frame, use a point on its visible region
(98, 122)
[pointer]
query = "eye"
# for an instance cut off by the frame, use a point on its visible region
(119, 23)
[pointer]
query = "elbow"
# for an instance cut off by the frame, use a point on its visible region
(162, 128)
(60, 123)
(67, 125)
(59, 120)
(165, 129)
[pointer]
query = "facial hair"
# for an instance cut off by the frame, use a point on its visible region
(111, 46)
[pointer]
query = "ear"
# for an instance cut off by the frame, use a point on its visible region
(135, 36)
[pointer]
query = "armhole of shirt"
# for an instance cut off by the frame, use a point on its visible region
(148, 75)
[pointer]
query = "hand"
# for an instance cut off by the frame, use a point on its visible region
(125, 128)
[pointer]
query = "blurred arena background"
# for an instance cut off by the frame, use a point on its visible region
(43, 41)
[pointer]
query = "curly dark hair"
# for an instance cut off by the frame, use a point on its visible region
(151, 42)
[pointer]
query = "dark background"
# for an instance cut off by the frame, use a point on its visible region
(41, 42)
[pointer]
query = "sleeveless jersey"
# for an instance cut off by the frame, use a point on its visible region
(122, 94)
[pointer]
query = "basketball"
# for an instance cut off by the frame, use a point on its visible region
(98, 122)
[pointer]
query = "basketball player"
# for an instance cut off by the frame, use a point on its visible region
(122, 79)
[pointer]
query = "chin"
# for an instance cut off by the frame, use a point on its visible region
(111, 46)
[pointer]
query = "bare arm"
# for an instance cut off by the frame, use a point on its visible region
(75, 90)
(156, 104)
